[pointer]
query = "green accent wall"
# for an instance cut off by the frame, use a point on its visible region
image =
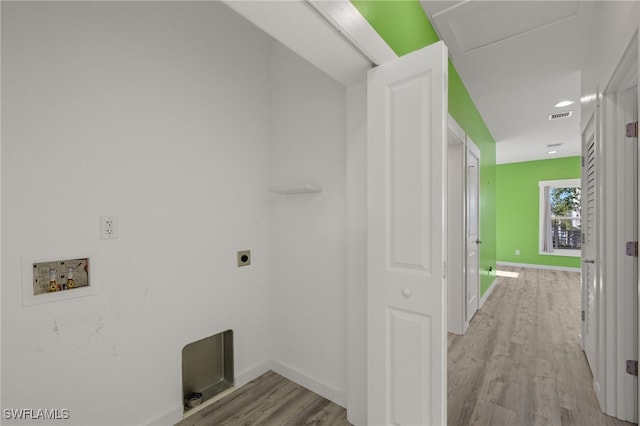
(404, 26)
(518, 203)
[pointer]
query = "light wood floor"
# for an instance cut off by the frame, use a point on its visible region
(519, 364)
(270, 400)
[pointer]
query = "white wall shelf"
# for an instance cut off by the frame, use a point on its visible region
(305, 188)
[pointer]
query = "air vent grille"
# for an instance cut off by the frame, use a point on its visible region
(560, 115)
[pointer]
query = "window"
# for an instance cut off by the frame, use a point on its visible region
(560, 225)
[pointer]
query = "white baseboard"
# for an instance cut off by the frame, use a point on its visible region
(529, 265)
(169, 418)
(486, 294)
(332, 394)
(251, 373)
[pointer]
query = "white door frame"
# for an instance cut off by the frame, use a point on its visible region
(472, 149)
(459, 147)
(456, 208)
(617, 316)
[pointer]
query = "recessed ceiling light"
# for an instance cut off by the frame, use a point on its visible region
(553, 152)
(563, 104)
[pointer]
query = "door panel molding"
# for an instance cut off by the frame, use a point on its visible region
(406, 239)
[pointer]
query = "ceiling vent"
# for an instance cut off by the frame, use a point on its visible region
(559, 115)
(554, 145)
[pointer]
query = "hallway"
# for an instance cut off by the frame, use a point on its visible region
(520, 361)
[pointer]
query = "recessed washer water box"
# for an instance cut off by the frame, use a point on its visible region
(71, 272)
(60, 275)
(207, 367)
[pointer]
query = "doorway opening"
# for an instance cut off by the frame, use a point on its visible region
(463, 228)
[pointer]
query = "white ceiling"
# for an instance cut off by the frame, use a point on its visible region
(516, 58)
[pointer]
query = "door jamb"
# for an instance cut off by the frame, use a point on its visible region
(613, 319)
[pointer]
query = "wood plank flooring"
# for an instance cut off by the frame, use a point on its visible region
(270, 400)
(520, 362)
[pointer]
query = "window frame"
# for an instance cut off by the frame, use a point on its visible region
(560, 183)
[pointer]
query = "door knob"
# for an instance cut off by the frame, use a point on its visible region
(406, 292)
(588, 261)
(478, 241)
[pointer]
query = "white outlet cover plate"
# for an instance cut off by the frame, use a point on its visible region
(108, 227)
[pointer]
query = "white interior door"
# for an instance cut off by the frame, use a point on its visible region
(589, 241)
(473, 230)
(406, 231)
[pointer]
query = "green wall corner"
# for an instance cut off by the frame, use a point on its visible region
(404, 26)
(518, 209)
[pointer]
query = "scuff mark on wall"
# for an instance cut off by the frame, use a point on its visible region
(99, 327)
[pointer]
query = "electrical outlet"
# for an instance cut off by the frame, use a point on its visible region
(518, 252)
(244, 258)
(108, 227)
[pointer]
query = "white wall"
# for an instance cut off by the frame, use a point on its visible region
(308, 231)
(156, 113)
(357, 254)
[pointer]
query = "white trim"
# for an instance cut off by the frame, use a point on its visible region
(456, 130)
(356, 294)
(560, 183)
(348, 20)
(332, 394)
(456, 224)
(533, 266)
(241, 379)
(169, 418)
(617, 339)
(487, 293)
(563, 252)
(327, 26)
(473, 150)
